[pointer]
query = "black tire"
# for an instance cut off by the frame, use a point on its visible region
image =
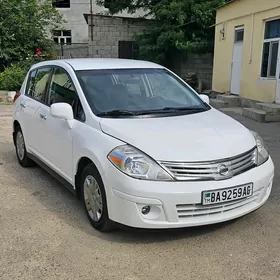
(23, 160)
(103, 224)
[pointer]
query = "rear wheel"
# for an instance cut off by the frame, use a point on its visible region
(21, 152)
(94, 199)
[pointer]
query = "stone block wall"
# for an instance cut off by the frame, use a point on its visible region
(72, 51)
(108, 31)
(202, 65)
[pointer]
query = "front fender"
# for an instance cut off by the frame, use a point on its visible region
(93, 144)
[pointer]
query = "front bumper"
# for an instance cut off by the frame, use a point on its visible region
(178, 204)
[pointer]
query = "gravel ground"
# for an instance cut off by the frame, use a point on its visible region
(44, 232)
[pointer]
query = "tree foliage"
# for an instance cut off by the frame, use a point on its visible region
(181, 25)
(24, 26)
(13, 76)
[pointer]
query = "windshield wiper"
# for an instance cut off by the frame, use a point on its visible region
(183, 109)
(170, 110)
(116, 113)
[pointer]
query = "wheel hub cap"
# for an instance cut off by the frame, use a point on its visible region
(20, 145)
(93, 198)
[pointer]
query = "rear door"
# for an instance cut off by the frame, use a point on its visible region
(32, 104)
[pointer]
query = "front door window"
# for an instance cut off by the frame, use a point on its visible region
(62, 90)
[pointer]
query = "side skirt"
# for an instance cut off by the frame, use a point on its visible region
(53, 174)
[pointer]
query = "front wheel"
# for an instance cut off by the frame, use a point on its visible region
(94, 199)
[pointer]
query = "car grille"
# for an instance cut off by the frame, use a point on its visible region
(212, 170)
(186, 211)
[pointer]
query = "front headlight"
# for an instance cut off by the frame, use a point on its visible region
(136, 164)
(262, 155)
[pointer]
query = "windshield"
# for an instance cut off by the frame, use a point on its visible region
(137, 91)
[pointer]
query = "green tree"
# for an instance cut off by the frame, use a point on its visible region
(181, 25)
(25, 26)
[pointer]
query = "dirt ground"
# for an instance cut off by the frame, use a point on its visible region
(44, 232)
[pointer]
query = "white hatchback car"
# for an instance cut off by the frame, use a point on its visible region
(138, 145)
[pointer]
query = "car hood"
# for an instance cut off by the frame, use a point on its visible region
(209, 135)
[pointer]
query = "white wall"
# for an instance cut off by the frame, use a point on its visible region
(75, 20)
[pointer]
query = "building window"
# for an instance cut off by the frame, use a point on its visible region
(270, 48)
(62, 37)
(61, 3)
(239, 35)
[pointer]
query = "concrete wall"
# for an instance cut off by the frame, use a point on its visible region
(252, 14)
(108, 31)
(72, 51)
(201, 65)
(76, 21)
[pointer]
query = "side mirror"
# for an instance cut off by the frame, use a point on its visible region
(63, 111)
(204, 98)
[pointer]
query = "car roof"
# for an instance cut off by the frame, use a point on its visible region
(101, 63)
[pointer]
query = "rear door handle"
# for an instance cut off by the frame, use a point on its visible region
(43, 117)
(22, 105)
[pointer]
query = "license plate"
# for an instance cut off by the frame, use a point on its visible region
(225, 195)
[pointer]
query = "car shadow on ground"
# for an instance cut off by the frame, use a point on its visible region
(62, 203)
(132, 235)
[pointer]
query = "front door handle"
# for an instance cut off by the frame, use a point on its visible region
(43, 117)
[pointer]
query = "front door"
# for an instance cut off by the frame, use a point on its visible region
(278, 78)
(237, 59)
(58, 137)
